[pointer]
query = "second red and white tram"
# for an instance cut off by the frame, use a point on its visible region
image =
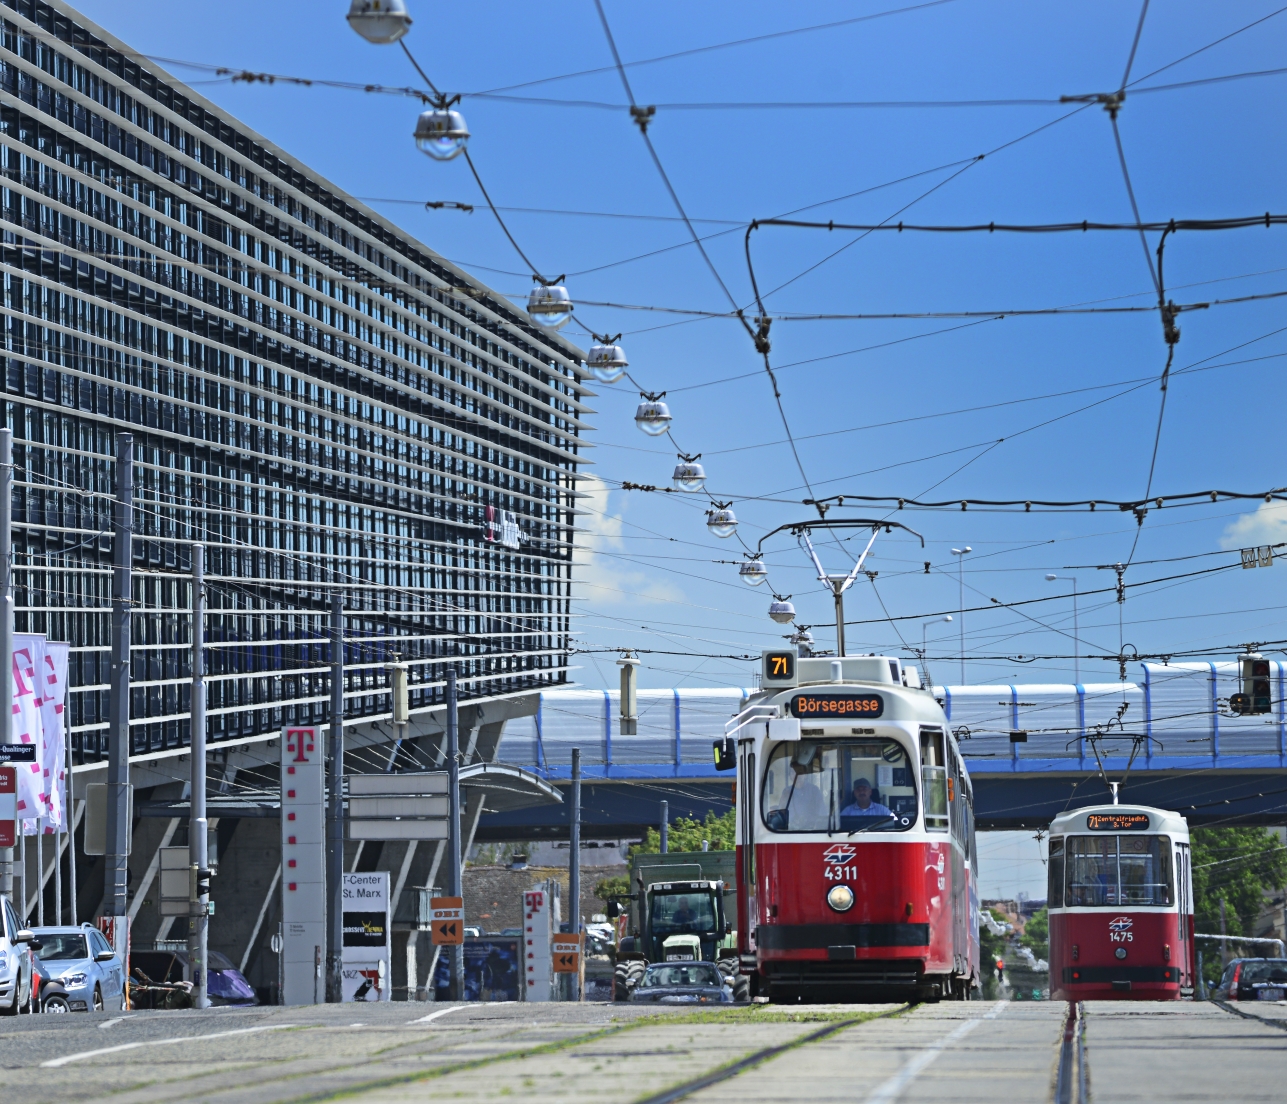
(855, 835)
(1121, 905)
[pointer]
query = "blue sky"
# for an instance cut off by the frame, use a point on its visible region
(895, 407)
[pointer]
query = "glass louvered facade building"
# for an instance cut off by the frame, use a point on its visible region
(323, 402)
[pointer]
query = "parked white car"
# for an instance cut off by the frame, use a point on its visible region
(83, 960)
(15, 962)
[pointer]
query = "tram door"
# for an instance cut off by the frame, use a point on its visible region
(745, 803)
(1184, 898)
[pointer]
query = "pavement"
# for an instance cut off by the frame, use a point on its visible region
(875, 1054)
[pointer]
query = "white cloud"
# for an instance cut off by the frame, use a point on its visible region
(608, 580)
(1267, 525)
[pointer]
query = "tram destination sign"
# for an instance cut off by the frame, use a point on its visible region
(1117, 822)
(841, 706)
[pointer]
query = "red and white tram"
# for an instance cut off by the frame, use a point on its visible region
(1121, 905)
(855, 835)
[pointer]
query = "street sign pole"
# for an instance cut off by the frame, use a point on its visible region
(335, 813)
(6, 624)
(198, 860)
(574, 861)
(457, 989)
(118, 747)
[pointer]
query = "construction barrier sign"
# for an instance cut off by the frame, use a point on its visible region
(567, 953)
(447, 921)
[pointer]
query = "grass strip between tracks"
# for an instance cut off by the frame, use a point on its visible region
(466, 1064)
(838, 1022)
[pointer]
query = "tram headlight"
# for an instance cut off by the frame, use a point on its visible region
(841, 898)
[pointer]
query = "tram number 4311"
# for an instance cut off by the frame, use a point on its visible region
(840, 873)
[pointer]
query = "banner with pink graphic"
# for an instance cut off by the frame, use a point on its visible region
(39, 696)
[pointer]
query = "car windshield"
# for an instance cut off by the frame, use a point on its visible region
(681, 913)
(697, 973)
(1111, 870)
(56, 947)
(839, 786)
(1263, 971)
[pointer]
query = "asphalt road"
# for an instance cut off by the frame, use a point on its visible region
(399, 1053)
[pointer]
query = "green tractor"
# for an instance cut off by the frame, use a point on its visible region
(678, 922)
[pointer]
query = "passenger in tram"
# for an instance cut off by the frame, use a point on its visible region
(807, 808)
(862, 804)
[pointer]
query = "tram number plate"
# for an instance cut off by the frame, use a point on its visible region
(840, 873)
(1269, 994)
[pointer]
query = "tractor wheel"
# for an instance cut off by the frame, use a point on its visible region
(728, 967)
(742, 989)
(624, 979)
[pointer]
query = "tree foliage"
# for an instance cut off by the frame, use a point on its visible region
(1238, 865)
(616, 886)
(687, 835)
(1036, 934)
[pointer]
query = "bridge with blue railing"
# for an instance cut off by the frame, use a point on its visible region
(1030, 749)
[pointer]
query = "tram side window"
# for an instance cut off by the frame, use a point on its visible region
(934, 778)
(1055, 868)
(1110, 871)
(838, 786)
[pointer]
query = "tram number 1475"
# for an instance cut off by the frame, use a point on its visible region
(840, 873)
(1121, 937)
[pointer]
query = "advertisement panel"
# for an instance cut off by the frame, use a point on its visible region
(367, 951)
(491, 970)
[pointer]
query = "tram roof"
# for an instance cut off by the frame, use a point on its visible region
(1120, 818)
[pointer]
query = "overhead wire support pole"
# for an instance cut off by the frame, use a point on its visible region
(456, 985)
(335, 812)
(116, 865)
(198, 825)
(6, 627)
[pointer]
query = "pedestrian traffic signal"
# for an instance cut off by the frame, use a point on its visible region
(1257, 693)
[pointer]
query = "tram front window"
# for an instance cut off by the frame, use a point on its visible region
(839, 786)
(1110, 871)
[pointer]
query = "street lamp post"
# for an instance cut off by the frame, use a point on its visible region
(946, 619)
(1076, 635)
(960, 554)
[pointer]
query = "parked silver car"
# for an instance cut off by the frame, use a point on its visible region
(83, 960)
(15, 962)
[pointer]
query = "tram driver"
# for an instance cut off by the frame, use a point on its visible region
(862, 804)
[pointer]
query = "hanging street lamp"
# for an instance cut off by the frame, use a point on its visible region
(652, 415)
(721, 520)
(689, 474)
(379, 21)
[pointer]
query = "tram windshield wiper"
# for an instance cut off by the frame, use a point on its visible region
(877, 821)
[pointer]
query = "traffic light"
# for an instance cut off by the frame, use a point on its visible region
(1256, 695)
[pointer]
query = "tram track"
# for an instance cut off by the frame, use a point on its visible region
(1072, 1077)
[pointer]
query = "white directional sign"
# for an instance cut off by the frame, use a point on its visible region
(303, 865)
(398, 806)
